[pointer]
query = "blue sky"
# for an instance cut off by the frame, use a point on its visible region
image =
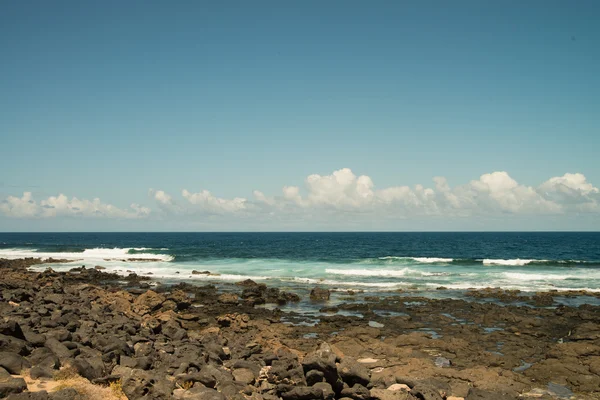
(112, 99)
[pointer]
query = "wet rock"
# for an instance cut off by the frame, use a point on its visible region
(543, 299)
(442, 362)
(228, 298)
(247, 282)
(560, 391)
(319, 294)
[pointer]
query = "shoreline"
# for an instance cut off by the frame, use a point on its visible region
(435, 348)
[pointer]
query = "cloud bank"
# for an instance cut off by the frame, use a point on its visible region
(344, 192)
(341, 196)
(62, 206)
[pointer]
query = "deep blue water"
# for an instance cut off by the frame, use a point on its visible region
(382, 261)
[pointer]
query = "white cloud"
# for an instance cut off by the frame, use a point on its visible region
(343, 196)
(161, 197)
(497, 191)
(61, 205)
(572, 191)
(22, 207)
(205, 201)
(344, 193)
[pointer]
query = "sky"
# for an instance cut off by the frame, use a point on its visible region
(306, 115)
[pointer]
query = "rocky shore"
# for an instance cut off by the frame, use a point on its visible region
(132, 338)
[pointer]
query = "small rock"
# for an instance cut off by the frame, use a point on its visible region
(243, 375)
(442, 362)
(320, 294)
(228, 298)
(399, 386)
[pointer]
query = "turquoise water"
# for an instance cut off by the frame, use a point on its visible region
(367, 261)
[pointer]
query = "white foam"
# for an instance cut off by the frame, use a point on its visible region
(97, 254)
(425, 260)
(382, 272)
(515, 262)
(329, 282)
(535, 277)
(431, 260)
(370, 272)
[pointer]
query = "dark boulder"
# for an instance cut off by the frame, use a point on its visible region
(60, 350)
(12, 328)
(198, 393)
(426, 392)
(303, 393)
(319, 294)
(286, 370)
(352, 372)
(13, 362)
(328, 393)
(356, 392)
(480, 394)
(323, 360)
(147, 302)
(208, 375)
(41, 395)
(66, 394)
(10, 385)
(313, 376)
(14, 345)
(38, 372)
(90, 369)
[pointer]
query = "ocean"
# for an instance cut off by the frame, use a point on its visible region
(373, 262)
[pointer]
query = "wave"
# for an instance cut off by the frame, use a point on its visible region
(425, 260)
(382, 272)
(515, 262)
(518, 276)
(518, 262)
(87, 254)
